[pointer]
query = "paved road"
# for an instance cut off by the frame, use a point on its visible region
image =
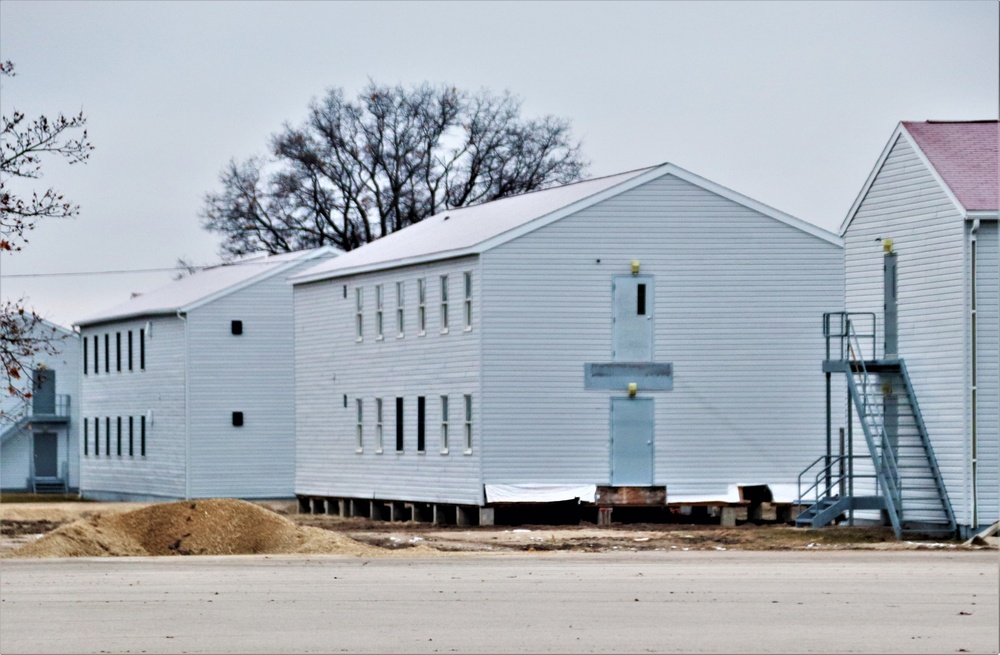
(716, 602)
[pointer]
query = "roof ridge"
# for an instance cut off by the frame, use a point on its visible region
(558, 186)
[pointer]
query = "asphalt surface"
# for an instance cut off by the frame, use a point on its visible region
(715, 602)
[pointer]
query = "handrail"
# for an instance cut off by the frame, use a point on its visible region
(821, 475)
(846, 321)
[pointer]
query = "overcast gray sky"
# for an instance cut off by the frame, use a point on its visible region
(788, 103)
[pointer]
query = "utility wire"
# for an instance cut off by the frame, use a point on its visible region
(174, 269)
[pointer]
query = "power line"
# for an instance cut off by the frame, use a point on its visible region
(83, 273)
(174, 269)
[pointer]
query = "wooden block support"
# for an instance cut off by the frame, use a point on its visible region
(604, 515)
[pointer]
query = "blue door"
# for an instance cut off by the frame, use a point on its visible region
(632, 442)
(632, 339)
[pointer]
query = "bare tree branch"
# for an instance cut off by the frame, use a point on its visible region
(356, 170)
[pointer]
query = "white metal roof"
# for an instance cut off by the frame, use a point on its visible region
(477, 228)
(206, 285)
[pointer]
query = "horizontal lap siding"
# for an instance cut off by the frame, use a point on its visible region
(251, 373)
(738, 304)
(331, 364)
(988, 359)
(905, 203)
(159, 388)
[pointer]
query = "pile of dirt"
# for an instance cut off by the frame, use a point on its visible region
(201, 527)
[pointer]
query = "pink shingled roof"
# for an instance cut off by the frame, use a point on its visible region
(965, 156)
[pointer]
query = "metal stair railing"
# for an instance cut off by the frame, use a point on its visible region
(837, 480)
(928, 448)
(882, 455)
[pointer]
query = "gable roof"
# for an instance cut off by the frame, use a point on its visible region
(206, 285)
(961, 155)
(478, 228)
(965, 156)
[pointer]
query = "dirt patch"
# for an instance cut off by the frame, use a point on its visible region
(203, 527)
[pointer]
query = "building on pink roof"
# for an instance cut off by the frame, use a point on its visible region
(921, 238)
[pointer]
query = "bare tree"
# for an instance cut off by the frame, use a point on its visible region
(23, 145)
(357, 170)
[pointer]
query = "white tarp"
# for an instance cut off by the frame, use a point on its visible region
(540, 493)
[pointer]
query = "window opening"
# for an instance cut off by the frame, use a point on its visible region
(444, 304)
(97, 436)
(641, 300)
(399, 308)
(421, 427)
(468, 423)
(238, 419)
(142, 350)
(86, 431)
(130, 350)
(85, 364)
(444, 424)
(97, 356)
(107, 352)
(378, 311)
(421, 306)
(236, 327)
(119, 436)
(118, 351)
(359, 305)
(131, 436)
(359, 441)
(142, 436)
(378, 425)
(468, 301)
(399, 425)
(107, 436)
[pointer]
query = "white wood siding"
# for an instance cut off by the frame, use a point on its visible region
(331, 364)
(160, 389)
(739, 301)
(250, 373)
(988, 374)
(905, 203)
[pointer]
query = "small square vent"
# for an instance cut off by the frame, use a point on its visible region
(237, 327)
(238, 419)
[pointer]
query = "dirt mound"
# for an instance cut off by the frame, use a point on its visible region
(193, 527)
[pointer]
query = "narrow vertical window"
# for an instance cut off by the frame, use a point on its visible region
(130, 350)
(421, 424)
(421, 306)
(118, 351)
(444, 304)
(468, 423)
(360, 437)
(468, 301)
(107, 436)
(85, 365)
(399, 425)
(142, 436)
(399, 309)
(119, 436)
(142, 350)
(640, 300)
(107, 352)
(378, 425)
(86, 430)
(444, 424)
(378, 311)
(97, 356)
(131, 436)
(359, 304)
(97, 435)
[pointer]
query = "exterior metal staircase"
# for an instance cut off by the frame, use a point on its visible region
(900, 472)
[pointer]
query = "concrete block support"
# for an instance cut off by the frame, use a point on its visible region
(487, 516)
